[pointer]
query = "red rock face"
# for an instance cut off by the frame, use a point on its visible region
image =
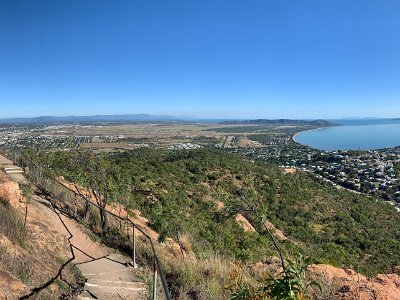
(242, 221)
(346, 284)
(10, 190)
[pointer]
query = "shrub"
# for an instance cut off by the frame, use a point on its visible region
(291, 284)
(10, 224)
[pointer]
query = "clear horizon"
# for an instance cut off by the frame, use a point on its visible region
(205, 59)
(191, 117)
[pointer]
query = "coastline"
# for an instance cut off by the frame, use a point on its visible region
(318, 128)
(382, 142)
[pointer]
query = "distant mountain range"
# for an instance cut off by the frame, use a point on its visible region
(279, 122)
(152, 118)
(89, 119)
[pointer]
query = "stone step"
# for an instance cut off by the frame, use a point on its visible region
(111, 277)
(128, 291)
(13, 169)
(84, 296)
(114, 283)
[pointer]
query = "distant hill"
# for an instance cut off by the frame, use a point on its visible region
(89, 119)
(279, 122)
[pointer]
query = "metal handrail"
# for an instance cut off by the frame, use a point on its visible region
(157, 269)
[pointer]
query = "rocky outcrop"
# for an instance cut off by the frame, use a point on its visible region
(10, 191)
(346, 284)
(244, 223)
(275, 231)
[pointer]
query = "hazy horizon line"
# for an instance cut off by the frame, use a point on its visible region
(194, 117)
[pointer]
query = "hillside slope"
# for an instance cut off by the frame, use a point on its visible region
(195, 197)
(31, 255)
(53, 256)
(173, 189)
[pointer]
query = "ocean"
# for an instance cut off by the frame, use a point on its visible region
(353, 134)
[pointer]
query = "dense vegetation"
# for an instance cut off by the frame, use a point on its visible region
(177, 191)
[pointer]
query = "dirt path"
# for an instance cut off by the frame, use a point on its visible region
(5, 161)
(108, 274)
(17, 177)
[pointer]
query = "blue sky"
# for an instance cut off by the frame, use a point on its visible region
(218, 58)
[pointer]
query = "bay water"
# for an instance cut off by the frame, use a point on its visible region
(353, 134)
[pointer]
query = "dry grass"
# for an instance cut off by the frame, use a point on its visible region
(10, 223)
(207, 278)
(189, 278)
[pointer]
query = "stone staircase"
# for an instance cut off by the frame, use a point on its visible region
(15, 172)
(111, 277)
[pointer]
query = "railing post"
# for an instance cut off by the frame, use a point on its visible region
(39, 177)
(44, 179)
(134, 246)
(155, 281)
(75, 204)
